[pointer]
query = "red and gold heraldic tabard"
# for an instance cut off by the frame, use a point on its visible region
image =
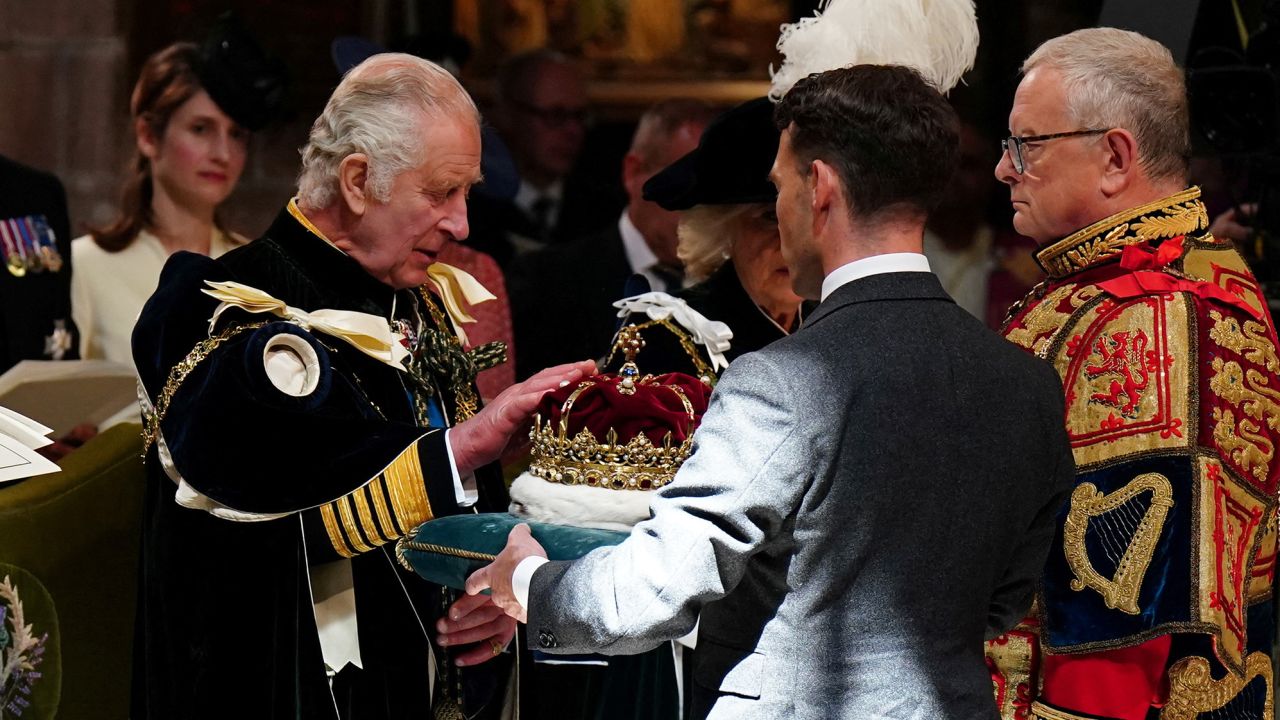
(1157, 593)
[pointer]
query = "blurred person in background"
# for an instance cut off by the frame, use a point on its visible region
(193, 109)
(728, 242)
(583, 278)
(985, 268)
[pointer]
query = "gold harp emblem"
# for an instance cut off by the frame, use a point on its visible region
(1087, 504)
(1192, 689)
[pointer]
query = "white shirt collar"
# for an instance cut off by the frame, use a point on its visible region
(527, 195)
(639, 255)
(874, 265)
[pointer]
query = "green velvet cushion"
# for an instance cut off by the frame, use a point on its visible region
(447, 550)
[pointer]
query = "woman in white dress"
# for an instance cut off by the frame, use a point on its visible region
(189, 157)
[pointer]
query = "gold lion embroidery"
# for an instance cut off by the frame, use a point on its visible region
(1250, 391)
(1044, 320)
(1087, 503)
(1192, 689)
(1251, 342)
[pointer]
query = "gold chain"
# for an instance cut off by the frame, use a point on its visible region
(179, 373)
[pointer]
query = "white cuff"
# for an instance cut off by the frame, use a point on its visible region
(464, 489)
(523, 575)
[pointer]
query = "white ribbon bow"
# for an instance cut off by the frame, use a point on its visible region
(367, 333)
(711, 334)
(458, 289)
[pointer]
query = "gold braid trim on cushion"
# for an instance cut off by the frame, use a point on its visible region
(1179, 214)
(583, 460)
(1192, 689)
(407, 544)
(178, 374)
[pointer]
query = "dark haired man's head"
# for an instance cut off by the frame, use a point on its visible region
(892, 138)
(866, 153)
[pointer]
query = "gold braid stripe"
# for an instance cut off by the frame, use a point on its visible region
(179, 373)
(367, 520)
(335, 533)
(1169, 217)
(349, 524)
(384, 513)
(407, 489)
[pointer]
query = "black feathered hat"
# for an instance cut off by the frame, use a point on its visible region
(246, 82)
(730, 165)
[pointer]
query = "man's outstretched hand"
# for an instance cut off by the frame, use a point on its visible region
(481, 440)
(497, 577)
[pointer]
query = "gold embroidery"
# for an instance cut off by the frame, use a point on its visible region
(1087, 502)
(407, 489)
(1012, 659)
(1218, 262)
(380, 507)
(335, 533)
(365, 514)
(1192, 689)
(1242, 443)
(179, 373)
(1104, 240)
(1230, 518)
(1251, 342)
(1126, 373)
(1044, 712)
(1258, 586)
(1044, 320)
(349, 524)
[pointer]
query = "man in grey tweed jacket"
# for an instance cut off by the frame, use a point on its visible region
(868, 499)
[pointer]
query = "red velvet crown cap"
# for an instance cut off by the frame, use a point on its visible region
(657, 407)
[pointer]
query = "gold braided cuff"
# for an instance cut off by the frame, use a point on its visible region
(380, 511)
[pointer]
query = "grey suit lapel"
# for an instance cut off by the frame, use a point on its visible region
(881, 288)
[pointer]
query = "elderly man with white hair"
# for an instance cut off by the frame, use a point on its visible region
(1156, 597)
(307, 402)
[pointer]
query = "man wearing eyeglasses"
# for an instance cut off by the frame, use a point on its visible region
(1157, 592)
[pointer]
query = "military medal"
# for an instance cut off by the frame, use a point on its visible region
(12, 257)
(48, 241)
(28, 245)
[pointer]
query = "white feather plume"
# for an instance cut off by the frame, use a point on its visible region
(937, 38)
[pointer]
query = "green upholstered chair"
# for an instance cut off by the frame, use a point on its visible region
(69, 548)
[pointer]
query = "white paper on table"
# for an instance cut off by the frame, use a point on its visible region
(31, 434)
(65, 393)
(18, 461)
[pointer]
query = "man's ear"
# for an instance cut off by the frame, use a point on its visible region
(633, 168)
(824, 187)
(147, 141)
(353, 180)
(1120, 160)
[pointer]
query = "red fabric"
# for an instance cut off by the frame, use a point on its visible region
(654, 409)
(1145, 257)
(1123, 684)
(1152, 282)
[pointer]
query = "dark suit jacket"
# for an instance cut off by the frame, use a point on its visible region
(868, 500)
(32, 306)
(562, 301)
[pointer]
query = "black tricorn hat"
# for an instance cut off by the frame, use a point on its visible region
(246, 82)
(730, 165)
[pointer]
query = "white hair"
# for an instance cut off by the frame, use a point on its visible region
(706, 235)
(378, 110)
(1120, 79)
